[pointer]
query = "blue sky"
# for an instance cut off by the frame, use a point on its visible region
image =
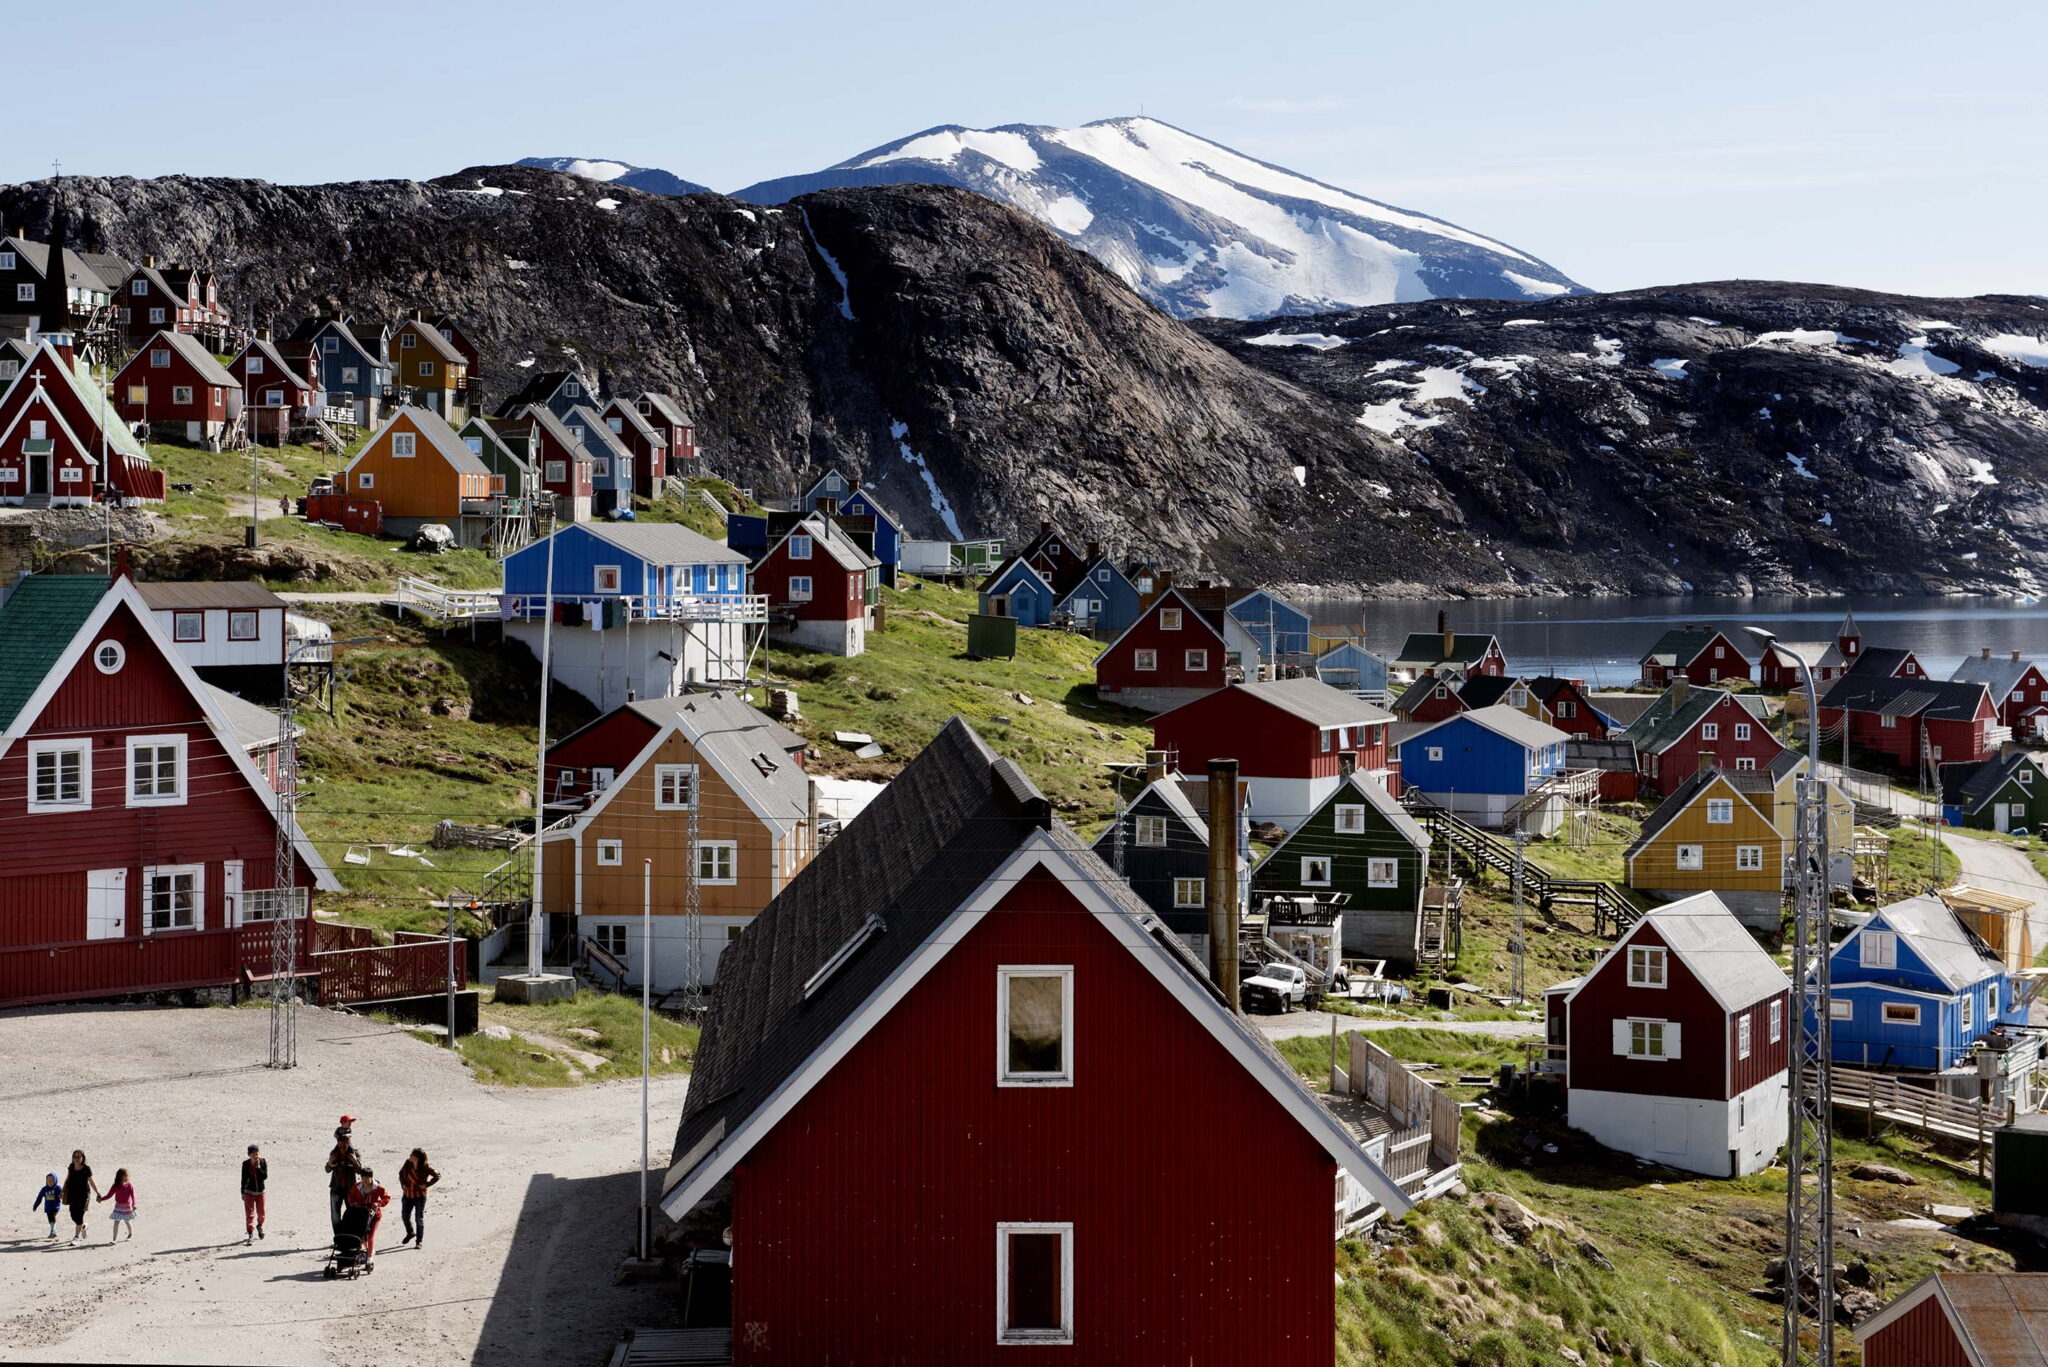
(1892, 146)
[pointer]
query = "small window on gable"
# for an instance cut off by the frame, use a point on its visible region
(1720, 811)
(1710, 730)
(1169, 619)
(572, 390)
(1034, 1012)
(607, 579)
(1434, 752)
(405, 340)
(1350, 818)
(1151, 831)
(675, 787)
(160, 359)
(1742, 730)
(1145, 659)
(330, 345)
(1647, 966)
(402, 445)
(1878, 949)
(799, 547)
(255, 365)
(1315, 870)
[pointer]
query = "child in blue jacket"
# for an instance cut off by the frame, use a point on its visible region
(51, 1199)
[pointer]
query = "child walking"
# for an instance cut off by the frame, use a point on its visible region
(122, 1194)
(255, 1173)
(51, 1199)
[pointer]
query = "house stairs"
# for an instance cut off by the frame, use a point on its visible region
(1486, 852)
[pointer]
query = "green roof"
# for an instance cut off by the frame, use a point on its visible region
(1666, 720)
(36, 626)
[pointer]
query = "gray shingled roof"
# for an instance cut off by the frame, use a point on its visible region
(278, 366)
(1724, 956)
(231, 593)
(1892, 697)
(749, 749)
(630, 415)
(438, 434)
(255, 728)
(1970, 786)
(2000, 675)
(834, 543)
(1951, 950)
(1680, 646)
(431, 335)
(197, 356)
(664, 543)
(1316, 702)
(1510, 722)
(668, 408)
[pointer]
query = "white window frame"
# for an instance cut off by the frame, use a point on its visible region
(1195, 661)
(1309, 864)
(610, 936)
(329, 345)
(1744, 1035)
(1692, 858)
(238, 618)
(1899, 1013)
(160, 358)
(1350, 818)
(403, 446)
(81, 748)
(71, 474)
(1841, 1009)
(1778, 1020)
(611, 853)
(714, 853)
(1145, 660)
(1190, 892)
(6, 261)
(1151, 832)
(1434, 753)
(557, 471)
(799, 588)
(156, 317)
(24, 293)
(365, 479)
(1064, 1077)
(1720, 811)
(1065, 1333)
(1382, 872)
(349, 373)
(606, 578)
(1745, 764)
(1710, 730)
(799, 547)
(1649, 966)
(175, 741)
(1639, 1033)
(109, 656)
(1966, 1006)
(181, 393)
(254, 366)
(1877, 949)
(1749, 859)
(149, 877)
(665, 776)
(1742, 730)
(1169, 619)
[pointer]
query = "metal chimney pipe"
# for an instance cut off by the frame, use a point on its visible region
(1222, 898)
(1155, 765)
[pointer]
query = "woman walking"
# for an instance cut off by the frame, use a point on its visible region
(79, 1191)
(344, 1163)
(413, 1180)
(122, 1194)
(255, 1172)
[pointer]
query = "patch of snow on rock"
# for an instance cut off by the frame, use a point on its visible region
(1980, 471)
(1798, 464)
(1606, 351)
(2013, 346)
(1523, 323)
(1710, 322)
(1321, 341)
(1670, 367)
(607, 204)
(1915, 359)
(940, 504)
(1013, 150)
(1069, 214)
(1431, 384)
(1534, 288)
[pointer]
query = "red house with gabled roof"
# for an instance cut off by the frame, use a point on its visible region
(1908, 720)
(1172, 654)
(145, 829)
(174, 385)
(997, 1171)
(1290, 738)
(1674, 1046)
(821, 587)
(1689, 729)
(54, 449)
(277, 396)
(1702, 654)
(1431, 698)
(2019, 689)
(1961, 1319)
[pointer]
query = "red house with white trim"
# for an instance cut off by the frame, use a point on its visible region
(278, 396)
(1907, 719)
(998, 1171)
(1961, 1319)
(145, 827)
(820, 586)
(1289, 737)
(1172, 654)
(174, 385)
(1689, 729)
(1702, 654)
(1674, 1046)
(53, 444)
(2019, 690)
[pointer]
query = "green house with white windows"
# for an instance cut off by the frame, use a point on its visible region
(1362, 843)
(2007, 792)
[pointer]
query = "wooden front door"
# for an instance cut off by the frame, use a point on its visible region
(39, 474)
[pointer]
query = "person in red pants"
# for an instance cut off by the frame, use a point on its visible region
(369, 1192)
(255, 1173)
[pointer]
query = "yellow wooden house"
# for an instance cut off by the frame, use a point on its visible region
(429, 371)
(1711, 836)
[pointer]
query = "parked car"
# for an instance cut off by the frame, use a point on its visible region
(322, 484)
(1282, 984)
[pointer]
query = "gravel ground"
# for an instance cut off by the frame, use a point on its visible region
(528, 1226)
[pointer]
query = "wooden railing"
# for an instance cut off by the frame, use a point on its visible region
(428, 599)
(1889, 1098)
(1612, 912)
(170, 962)
(415, 966)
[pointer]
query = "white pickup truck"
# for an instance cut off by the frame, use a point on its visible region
(1282, 984)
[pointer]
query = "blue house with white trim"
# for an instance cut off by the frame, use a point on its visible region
(1353, 668)
(1482, 764)
(641, 609)
(888, 548)
(1279, 627)
(1914, 987)
(1018, 590)
(1103, 598)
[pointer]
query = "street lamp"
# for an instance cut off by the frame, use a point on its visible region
(1770, 639)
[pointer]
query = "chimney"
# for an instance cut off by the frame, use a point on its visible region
(1155, 765)
(1347, 764)
(263, 334)
(2015, 657)
(1223, 922)
(1094, 550)
(1987, 653)
(1681, 690)
(148, 260)
(1045, 528)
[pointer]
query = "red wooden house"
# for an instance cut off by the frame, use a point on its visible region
(1431, 698)
(957, 908)
(821, 587)
(277, 396)
(53, 389)
(1673, 1047)
(2019, 690)
(1689, 729)
(1289, 737)
(1962, 1319)
(146, 831)
(1885, 662)
(156, 298)
(1172, 654)
(176, 387)
(1908, 720)
(646, 438)
(678, 432)
(564, 465)
(1701, 654)
(1059, 559)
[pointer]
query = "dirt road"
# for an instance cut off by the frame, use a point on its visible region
(524, 1234)
(1298, 1023)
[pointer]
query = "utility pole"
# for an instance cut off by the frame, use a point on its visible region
(693, 912)
(646, 1035)
(287, 900)
(536, 922)
(1521, 928)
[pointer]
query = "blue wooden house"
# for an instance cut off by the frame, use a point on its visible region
(1102, 599)
(641, 610)
(1351, 667)
(1018, 590)
(561, 392)
(611, 462)
(1485, 763)
(1279, 627)
(1159, 844)
(348, 364)
(888, 546)
(1915, 988)
(830, 486)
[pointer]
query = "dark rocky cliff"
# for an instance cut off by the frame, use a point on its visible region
(971, 362)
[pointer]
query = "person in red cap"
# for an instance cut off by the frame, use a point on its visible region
(344, 1164)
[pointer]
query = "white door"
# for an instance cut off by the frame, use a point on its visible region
(231, 892)
(1673, 1120)
(2004, 821)
(106, 904)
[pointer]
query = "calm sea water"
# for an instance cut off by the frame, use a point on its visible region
(1600, 639)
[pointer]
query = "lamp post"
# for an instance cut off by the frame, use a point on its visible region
(1809, 1145)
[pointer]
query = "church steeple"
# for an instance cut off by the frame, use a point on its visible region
(56, 300)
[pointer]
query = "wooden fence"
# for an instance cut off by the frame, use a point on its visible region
(1418, 1111)
(82, 970)
(1888, 1099)
(415, 966)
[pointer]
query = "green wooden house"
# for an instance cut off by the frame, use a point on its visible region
(1362, 843)
(2007, 792)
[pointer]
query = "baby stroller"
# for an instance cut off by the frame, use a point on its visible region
(347, 1258)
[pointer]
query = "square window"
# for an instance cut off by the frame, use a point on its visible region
(1777, 1021)
(427, 369)
(156, 316)
(330, 345)
(606, 579)
(171, 898)
(610, 938)
(1034, 1283)
(60, 775)
(1648, 1039)
(1435, 753)
(1190, 892)
(1710, 730)
(156, 770)
(1145, 659)
(137, 286)
(1034, 1006)
(610, 852)
(1749, 858)
(1742, 730)
(1315, 870)
(675, 787)
(1647, 966)
(572, 390)
(1720, 811)
(160, 359)
(600, 466)
(405, 341)
(1197, 661)
(1382, 873)
(1152, 831)
(242, 625)
(181, 393)
(718, 861)
(799, 588)
(25, 294)
(365, 480)
(1878, 949)
(557, 471)
(601, 776)
(1350, 818)
(1691, 856)
(1745, 764)
(799, 548)
(1169, 619)
(402, 445)
(255, 365)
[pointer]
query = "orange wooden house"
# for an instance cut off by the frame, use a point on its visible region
(420, 471)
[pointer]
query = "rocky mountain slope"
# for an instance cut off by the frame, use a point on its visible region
(985, 374)
(652, 179)
(1748, 436)
(1195, 227)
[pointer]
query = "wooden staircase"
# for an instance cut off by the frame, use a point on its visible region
(1485, 851)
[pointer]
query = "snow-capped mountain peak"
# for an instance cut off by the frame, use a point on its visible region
(1197, 227)
(651, 179)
